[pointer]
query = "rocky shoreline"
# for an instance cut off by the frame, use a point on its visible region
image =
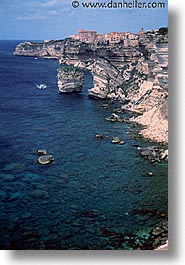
(158, 239)
(158, 236)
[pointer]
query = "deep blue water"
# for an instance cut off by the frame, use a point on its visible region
(86, 197)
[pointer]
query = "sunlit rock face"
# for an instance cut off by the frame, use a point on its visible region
(107, 79)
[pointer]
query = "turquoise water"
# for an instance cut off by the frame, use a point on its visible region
(86, 198)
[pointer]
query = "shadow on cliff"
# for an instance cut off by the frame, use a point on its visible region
(174, 204)
(88, 82)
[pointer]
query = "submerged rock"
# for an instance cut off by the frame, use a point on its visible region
(15, 196)
(39, 193)
(158, 239)
(45, 159)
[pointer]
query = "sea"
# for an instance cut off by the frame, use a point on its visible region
(95, 195)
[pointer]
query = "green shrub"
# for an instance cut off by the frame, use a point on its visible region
(163, 30)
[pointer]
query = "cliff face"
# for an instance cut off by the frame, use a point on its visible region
(107, 79)
(40, 49)
(151, 98)
(134, 71)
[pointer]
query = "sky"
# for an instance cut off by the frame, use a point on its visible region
(57, 19)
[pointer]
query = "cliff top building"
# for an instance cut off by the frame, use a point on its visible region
(112, 37)
(87, 35)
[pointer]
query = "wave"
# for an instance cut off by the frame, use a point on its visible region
(41, 86)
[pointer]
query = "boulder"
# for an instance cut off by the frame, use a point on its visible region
(165, 226)
(153, 153)
(146, 152)
(150, 174)
(164, 155)
(114, 117)
(121, 142)
(156, 243)
(45, 159)
(157, 231)
(116, 140)
(101, 136)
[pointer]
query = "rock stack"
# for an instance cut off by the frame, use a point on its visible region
(70, 79)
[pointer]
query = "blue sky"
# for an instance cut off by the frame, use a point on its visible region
(56, 19)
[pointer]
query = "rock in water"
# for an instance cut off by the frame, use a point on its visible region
(150, 174)
(101, 136)
(157, 231)
(70, 79)
(121, 142)
(116, 140)
(42, 152)
(45, 159)
(154, 153)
